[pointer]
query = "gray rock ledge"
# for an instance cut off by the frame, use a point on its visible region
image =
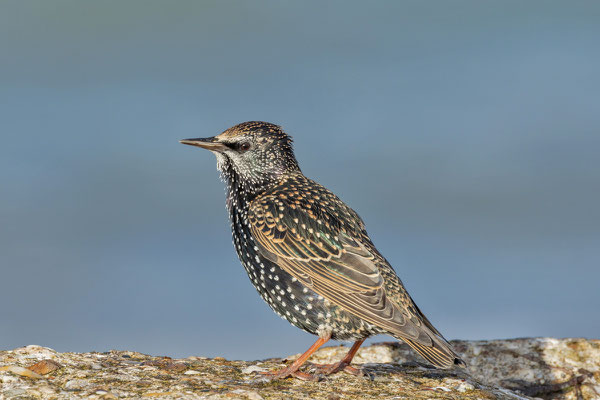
(498, 369)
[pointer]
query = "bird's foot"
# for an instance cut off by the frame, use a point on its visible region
(288, 372)
(328, 369)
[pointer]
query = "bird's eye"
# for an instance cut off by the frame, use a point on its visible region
(245, 146)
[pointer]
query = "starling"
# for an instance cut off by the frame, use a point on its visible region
(309, 255)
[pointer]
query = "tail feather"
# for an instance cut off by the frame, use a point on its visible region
(438, 354)
(432, 345)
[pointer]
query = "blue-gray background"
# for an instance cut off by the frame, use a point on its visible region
(465, 133)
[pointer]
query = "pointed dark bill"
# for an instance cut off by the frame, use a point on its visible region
(210, 143)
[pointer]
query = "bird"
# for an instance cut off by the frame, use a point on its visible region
(309, 256)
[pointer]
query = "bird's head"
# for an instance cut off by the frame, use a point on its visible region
(256, 151)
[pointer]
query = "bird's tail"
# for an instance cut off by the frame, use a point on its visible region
(439, 353)
(435, 348)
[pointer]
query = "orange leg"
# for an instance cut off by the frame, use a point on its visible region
(292, 370)
(344, 364)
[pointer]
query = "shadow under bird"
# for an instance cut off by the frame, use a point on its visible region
(309, 255)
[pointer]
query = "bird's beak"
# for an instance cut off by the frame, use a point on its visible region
(211, 143)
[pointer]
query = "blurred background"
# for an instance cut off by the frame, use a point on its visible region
(465, 133)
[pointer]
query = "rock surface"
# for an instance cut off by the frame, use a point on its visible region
(500, 369)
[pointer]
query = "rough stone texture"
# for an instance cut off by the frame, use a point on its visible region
(500, 369)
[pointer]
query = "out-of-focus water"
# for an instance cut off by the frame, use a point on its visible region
(466, 134)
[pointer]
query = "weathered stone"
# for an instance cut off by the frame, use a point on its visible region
(45, 367)
(501, 369)
(15, 369)
(538, 367)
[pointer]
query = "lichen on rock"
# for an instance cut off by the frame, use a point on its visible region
(501, 369)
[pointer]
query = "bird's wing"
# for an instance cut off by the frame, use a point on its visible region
(322, 245)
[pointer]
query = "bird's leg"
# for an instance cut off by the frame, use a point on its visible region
(292, 369)
(344, 364)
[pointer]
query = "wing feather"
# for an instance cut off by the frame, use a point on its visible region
(331, 260)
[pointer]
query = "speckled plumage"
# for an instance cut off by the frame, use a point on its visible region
(306, 252)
